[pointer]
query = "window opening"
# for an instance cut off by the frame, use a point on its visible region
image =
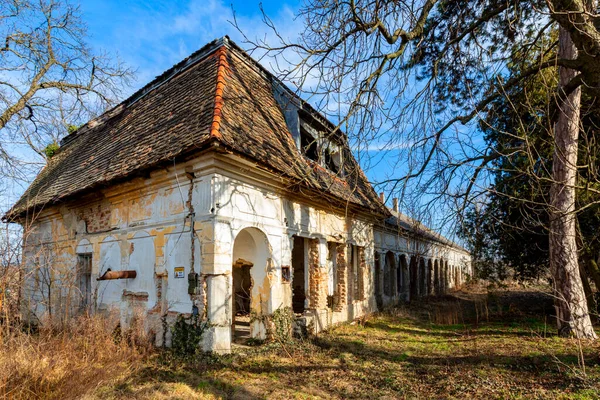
(84, 280)
(309, 145)
(298, 281)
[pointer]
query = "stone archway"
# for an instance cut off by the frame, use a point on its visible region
(251, 285)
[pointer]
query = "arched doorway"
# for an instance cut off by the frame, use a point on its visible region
(422, 277)
(251, 287)
(378, 297)
(437, 277)
(430, 274)
(389, 276)
(403, 282)
(414, 278)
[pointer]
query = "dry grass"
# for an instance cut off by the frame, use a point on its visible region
(468, 345)
(502, 352)
(67, 362)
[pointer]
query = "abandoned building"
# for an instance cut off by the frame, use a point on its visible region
(215, 190)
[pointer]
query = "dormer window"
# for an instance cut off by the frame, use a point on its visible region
(309, 145)
(312, 134)
(332, 158)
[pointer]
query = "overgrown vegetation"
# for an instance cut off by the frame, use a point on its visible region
(187, 336)
(488, 342)
(282, 322)
(70, 361)
(51, 150)
(497, 343)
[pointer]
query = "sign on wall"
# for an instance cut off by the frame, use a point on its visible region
(179, 272)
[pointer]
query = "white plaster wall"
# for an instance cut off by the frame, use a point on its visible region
(142, 260)
(109, 292)
(178, 253)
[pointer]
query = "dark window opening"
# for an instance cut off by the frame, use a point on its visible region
(298, 281)
(84, 281)
(286, 275)
(332, 161)
(309, 145)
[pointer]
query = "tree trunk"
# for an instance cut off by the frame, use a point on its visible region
(571, 306)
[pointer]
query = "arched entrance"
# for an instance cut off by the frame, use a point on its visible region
(403, 283)
(414, 278)
(422, 277)
(430, 277)
(389, 275)
(251, 287)
(378, 297)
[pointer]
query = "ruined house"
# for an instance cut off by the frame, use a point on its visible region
(214, 190)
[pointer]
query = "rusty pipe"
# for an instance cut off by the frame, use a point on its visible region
(108, 275)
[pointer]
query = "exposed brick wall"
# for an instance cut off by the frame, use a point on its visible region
(342, 278)
(96, 217)
(317, 277)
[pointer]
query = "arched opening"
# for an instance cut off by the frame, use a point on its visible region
(378, 297)
(387, 274)
(414, 276)
(251, 288)
(430, 277)
(437, 277)
(444, 273)
(83, 276)
(422, 277)
(398, 277)
(447, 273)
(404, 275)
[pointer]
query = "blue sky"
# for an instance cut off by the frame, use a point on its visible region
(151, 36)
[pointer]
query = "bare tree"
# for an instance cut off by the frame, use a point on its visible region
(50, 80)
(419, 75)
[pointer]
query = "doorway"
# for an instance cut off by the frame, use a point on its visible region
(250, 288)
(299, 279)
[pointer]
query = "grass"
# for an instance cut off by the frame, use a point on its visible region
(67, 362)
(442, 348)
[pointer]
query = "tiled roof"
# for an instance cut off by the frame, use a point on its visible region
(416, 227)
(218, 94)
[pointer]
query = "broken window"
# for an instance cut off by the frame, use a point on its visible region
(84, 280)
(309, 145)
(332, 158)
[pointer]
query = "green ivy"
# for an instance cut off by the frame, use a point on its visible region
(283, 323)
(187, 335)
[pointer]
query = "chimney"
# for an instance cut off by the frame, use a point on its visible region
(382, 197)
(395, 202)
